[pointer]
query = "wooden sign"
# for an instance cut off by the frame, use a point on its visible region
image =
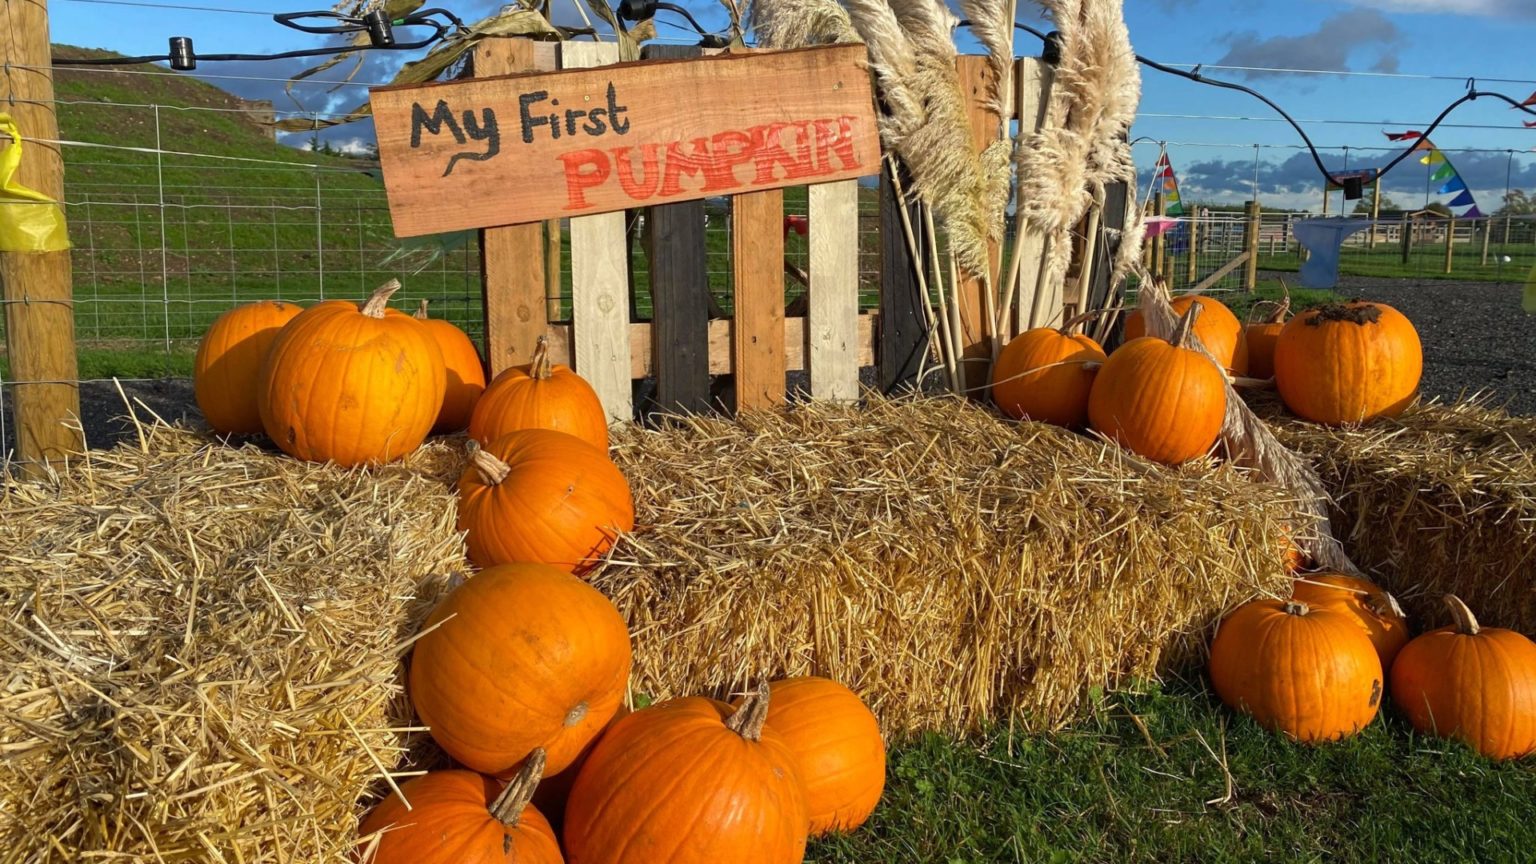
(522, 148)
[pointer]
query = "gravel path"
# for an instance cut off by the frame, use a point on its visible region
(1475, 338)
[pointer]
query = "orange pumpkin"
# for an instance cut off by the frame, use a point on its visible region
(1348, 363)
(519, 657)
(1309, 673)
(1160, 399)
(228, 364)
(1261, 336)
(466, 374)
(349, 383)
(544, 496)
(1476, 684)
(555, 790)
(689, 781)
(459, 817)
(837, 746)
(540, 395)
(1219, 330)
(1046, 374)
(1369, 604)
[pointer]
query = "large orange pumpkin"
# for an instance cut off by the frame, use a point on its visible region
(1473, 683)
(1261, 336)
(466, 374)
(519, 657)
(350, 383)
(689, 781)
(1219, 330)
(460, 817)
(540, 395)
(837, 744)
(1369, 604)
(1309, 673)
(555, 790)
(1160, 399)
(228, 364)
(1348, 363)
(1046, 374)
(544, 496)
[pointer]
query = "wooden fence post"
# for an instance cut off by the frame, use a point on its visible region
(1487, 234)
(1450, 243)
(1160, 242)
(1192, 248)
(37, 286)
(1253, 221)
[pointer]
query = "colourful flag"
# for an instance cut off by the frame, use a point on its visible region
(1446, 171)
(1463, 200)
(1404, 136)
(1455, 184)
(1433, 157)
(1529, 102)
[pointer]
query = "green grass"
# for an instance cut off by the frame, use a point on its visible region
(1108, 791)
(1425, 262)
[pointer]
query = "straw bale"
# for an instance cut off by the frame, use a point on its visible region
(1442, 499)
(201, 648)
(953, 568)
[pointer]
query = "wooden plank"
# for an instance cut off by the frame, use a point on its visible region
(903, 322)
(678, 261)
(1241, 259)
(478, 153)
(974, 339)
(600, 280)
(833, 294)
(512, 261)
(1113, 220)
(37, 286)
(757, 268)
(720, 345)
(1033, 79)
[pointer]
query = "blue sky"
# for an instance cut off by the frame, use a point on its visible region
(1212, 134)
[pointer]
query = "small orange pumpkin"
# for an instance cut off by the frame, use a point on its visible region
(1160, 399)
(1308, 673)
(1369, 604)
(520, 657)
(1046, 374)
(540, 395)
(459, 817)
(1348, 363)
(466, 374)
(689, 781)
(1261, 336)
(1476, 684)
(1219, 330)
(837, 744)
(545, 496)
(228, 364)
(351, 383)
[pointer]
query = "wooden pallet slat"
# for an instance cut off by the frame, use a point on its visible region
(1033, 79)
(833, 310)
(904, 328)
(757, 267)
(973, 338)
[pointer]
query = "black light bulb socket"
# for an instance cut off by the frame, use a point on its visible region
(1354, 188)
(182, 56)
(1051, 51)
(635, 11)
(381, 31)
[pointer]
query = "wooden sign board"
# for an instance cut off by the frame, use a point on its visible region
(523, 148)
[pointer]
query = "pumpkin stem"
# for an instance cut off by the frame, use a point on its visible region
(1186, 324)
(1466, 622)
(492, 470)
(509, 805)
(1071, 323)
(379, 301)
(749, 718)
(1296, 607)
(541, 368)
(421, 311)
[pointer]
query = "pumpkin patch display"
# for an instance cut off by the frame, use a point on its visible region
(1310, 674)
(838, 748)
(1348, 363)
(465, 373)
(1046, 374)
(544, 496)
(351, 383)
(1160, 399)
(1219, 330)
(228, 364)
(1469, 682)
(460, 817)
(541, 395)
(520, 657)
(689, 781)
(1375, 610)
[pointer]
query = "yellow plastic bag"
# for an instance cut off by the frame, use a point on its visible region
(29, 221)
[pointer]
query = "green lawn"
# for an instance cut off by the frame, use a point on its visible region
(1172, 776)
(1425, 261)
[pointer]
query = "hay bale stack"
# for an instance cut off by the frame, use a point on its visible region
(200, 649)
(1442, 499)
(953, 568)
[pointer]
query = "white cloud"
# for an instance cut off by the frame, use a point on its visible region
(1490, 8)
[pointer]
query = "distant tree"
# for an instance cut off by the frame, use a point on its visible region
(1363, 206)
(1517, 203)
(1440, 208)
